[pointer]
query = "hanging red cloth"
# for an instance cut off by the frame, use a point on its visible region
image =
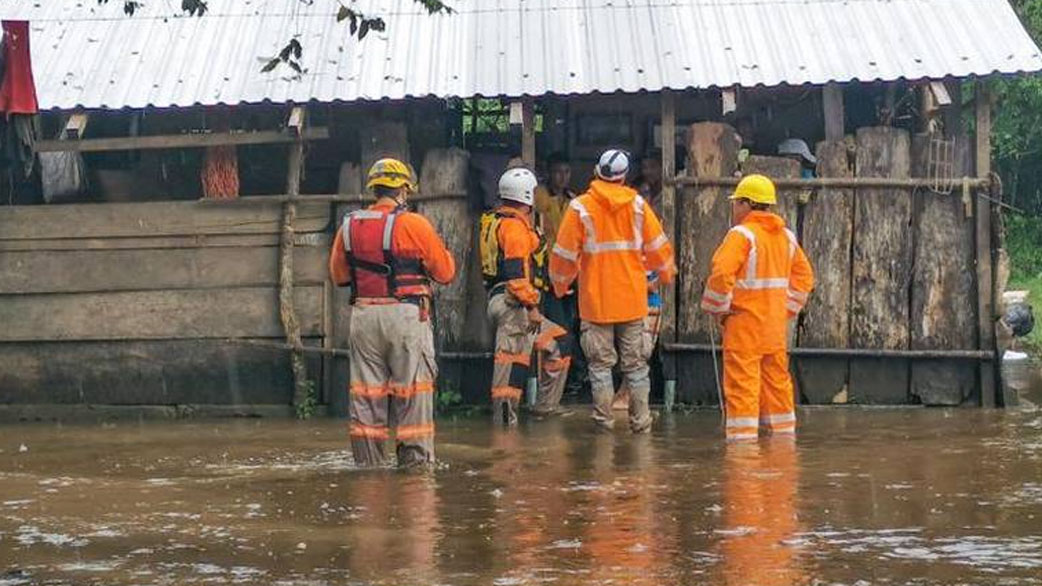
(17, 90)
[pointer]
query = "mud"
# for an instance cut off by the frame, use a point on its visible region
(903, 496)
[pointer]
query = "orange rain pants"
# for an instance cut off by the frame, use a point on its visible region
(760, 280)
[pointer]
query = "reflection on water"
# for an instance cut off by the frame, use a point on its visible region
(863, 497)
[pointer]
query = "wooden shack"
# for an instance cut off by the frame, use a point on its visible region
(135, 290)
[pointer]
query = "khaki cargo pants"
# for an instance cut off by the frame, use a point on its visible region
(650, 336)
(393, 369)
(599, 343)
(514, 343)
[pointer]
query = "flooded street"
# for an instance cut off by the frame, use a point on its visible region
(906, 496)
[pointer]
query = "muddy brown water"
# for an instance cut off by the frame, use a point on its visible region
(903, 496)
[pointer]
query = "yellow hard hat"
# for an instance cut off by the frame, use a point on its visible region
(757, 189)
(390, 173)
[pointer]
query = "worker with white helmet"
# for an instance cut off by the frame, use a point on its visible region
(609, 239)
(508, 245)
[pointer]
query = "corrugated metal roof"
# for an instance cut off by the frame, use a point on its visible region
(93, 56)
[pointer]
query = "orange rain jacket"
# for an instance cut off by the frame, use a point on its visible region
(413, 237)
(611, 239)
(517, 242)
(761, 278)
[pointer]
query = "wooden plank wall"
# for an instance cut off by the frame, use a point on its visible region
(890, 266)
(132, 303)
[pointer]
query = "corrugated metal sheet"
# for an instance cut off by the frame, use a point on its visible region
(91, 55)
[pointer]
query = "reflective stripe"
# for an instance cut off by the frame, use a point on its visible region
(718, 297)
(388, 230)
(614, 245)
(377, 432)
(506, 358)
(776, 283)
(793, 244)
(779, 418)
(565, 253)
(584, 217)
(370, 391)
(405, 391)
(414, 431)
(742, 422)
(740, 436)
(590, 243)
(638, 221)
(797, 295)
(793, 306)
(711, 307)
(560, 278)
(346, 232)
(784, 431)
(750, 267)
(657, 243)
(506, 393)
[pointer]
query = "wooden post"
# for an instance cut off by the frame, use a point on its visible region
(703, 220)
(669, 225)
(827, 231)
(528, 133)
(287, 312)
(942, 283)
(882, 267)
(832, 102)
(985, 291)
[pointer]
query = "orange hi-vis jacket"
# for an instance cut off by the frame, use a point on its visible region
(413, 237)
(761, 277)
(517, 242)
(611, 239)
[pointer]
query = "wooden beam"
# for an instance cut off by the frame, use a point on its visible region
(528, 133)
(669, 225)
(178, 141)
(832, 103)
(76, 126)
(985, 292)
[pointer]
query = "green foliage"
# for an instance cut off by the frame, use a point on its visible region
(1024, 245)
(306, 408)
(448, 397)
(1033, 341)
(1017, 127)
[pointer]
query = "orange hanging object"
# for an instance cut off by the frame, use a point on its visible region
(220, 174)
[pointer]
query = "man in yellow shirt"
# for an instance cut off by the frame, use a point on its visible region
(551, 201)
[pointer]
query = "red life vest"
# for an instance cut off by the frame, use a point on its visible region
(375, 270)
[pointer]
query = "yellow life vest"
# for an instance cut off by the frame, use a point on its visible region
(491, 255)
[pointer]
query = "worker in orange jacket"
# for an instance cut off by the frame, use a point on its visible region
(389, 256)
(610, 238)
(760, 280)
(508, 243)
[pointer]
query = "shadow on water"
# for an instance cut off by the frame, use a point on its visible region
(864, 497)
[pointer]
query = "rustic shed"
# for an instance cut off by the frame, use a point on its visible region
(133, 289)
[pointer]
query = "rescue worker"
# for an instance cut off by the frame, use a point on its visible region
(388, 256)
(760, 279)
(508, 244)
(609, 238)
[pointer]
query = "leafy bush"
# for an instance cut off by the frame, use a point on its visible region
(1024, 245)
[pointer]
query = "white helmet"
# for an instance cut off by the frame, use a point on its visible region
(518, 185)
(797, 147)
(613, 165)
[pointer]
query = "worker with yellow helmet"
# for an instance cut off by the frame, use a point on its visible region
(760, 279)
(389, 256)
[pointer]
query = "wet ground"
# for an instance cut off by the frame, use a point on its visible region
(908, 496)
